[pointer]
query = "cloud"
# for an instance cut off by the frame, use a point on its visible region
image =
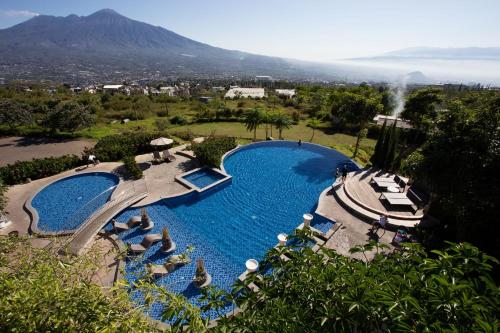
(18, 13)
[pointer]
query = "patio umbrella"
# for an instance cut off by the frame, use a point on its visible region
(161, 142)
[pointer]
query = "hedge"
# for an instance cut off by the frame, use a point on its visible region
(210, 151)
(132, 167)
(116, 147)
(38, 168)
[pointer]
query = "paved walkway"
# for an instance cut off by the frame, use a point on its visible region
(353, 231)
(160, 178)
(14, 149)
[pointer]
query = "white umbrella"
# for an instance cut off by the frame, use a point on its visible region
(161, 142)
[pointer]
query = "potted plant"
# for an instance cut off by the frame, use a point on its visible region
(201, 278)
(166, 240)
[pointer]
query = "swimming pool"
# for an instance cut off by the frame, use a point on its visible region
(57, 203)
(273, 185)
(203, 177)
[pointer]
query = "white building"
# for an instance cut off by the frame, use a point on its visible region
(112, 88)
(288, 93)
(263, 78)
(170, 91)
(245, 93)
(389, 120)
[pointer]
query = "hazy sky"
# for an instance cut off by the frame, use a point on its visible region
(319, 30)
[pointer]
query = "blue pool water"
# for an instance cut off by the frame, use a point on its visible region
(203, 177)
(273, 185)
(58, 202)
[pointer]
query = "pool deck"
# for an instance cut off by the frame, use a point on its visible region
(160, 181)
(160, 178)
(353, 231)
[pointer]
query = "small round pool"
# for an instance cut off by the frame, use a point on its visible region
(64, 205)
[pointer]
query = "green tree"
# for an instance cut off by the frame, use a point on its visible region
(408, 291)
(361, 135)
(40, 292)
(376, 158)
(282, 121)
(314, 124)
(459, 164)
(14, 114)
(3, 200)
(391, 147)
(69, 116)
(253, 119)
(420, 108)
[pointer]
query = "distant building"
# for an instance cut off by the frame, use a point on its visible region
(245, 93)
(76, 90)
(265, 78)
(401, 123)
(288, 93)
(112, 88)
(170, 91)
(218, 88)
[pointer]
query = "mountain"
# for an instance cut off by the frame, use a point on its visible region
(108, 44)
(465, 53)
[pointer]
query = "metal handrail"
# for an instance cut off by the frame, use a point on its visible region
(136, 188)
(83, 213)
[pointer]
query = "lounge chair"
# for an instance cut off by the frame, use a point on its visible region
(167, 156)
(157, 157)
(132, 222)
(146, 243)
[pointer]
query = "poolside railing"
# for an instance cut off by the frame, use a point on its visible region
(100, 216)
(75, 220)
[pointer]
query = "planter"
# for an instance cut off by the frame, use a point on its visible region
(172, 248)
(307, 220)
(282, 239)
(252, 265)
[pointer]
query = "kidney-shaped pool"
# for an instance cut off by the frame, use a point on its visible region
(64, 204)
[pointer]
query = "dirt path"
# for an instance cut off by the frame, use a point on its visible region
(14, 149)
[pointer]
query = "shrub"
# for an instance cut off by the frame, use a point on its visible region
(210, 151)
(184, 135)
(407, 291)
(161, 124)
(162, 113)
(38, 168)
(132, 167)
(3, 201)
(41, 293)
(116, 147)
(178, 120)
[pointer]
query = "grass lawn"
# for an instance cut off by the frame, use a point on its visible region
(342, 142)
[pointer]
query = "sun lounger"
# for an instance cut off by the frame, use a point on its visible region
(134, 221)
(393, 195)
(383, 179)
(399, 201)
(167, 156)
(146, 243)
(386, 183)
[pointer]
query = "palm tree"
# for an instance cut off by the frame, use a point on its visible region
(282, 121)
(313, 123)
(253, 119)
